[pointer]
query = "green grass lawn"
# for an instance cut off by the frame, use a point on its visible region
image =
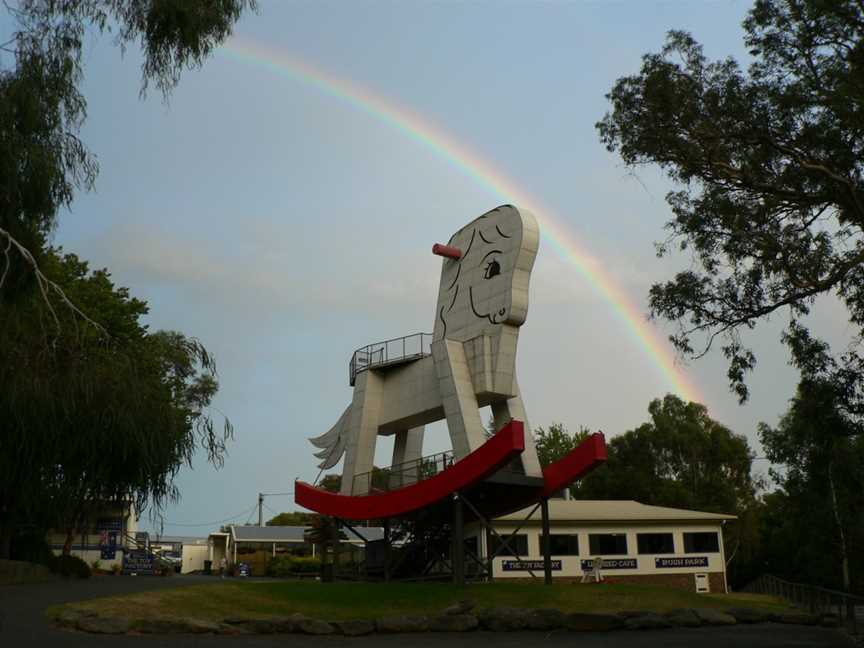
(342, 601)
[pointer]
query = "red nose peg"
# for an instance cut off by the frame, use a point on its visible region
(447, 251)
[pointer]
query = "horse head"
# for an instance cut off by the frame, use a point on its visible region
(485, 274)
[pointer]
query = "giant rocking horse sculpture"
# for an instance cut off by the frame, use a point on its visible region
(482, 302)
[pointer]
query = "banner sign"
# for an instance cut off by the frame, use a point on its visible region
(529, 565)
(611, 563)
(689, 561)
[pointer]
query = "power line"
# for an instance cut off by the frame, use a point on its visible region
(228, 519)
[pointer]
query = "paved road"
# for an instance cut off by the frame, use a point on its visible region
(23, 624)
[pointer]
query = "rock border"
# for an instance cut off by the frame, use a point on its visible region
(460, 617)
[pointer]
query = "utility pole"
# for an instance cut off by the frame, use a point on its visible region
(260, 509)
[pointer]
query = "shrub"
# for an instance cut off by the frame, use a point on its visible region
(30, 545)
(69, 566)
(287, 565)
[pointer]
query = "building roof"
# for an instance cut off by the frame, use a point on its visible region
(615, 511)
(189, 540)
(295, 533)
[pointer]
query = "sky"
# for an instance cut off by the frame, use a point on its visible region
(281, 207)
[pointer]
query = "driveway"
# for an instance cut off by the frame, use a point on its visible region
(23, 623)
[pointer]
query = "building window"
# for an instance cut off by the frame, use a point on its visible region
(517, 544)
(701, 543)
(655, 543)
(471, 546)
(607, 544)
(564, 545)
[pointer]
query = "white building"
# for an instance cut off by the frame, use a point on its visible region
(637, 542)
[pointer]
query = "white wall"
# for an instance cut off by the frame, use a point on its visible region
(645, 563)
(194, 557)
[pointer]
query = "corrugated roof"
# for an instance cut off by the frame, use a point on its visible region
(615, 511)
(294, 533)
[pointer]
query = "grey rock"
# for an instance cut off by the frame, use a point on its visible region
(314, 627)
(201, 626)
(355, 627)
(462, 607)
(684, 618)
(546, 619)
(748, 615)
(175, 626)
(503, 618)
(453, 623)
(104, 625)
(647, 621)
(399, 624)
(273, 625)
(795, 618)
(710, 616)
(228, 629)
(589, 622)
(68, 618)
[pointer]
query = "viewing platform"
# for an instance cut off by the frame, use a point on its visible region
(390, 352)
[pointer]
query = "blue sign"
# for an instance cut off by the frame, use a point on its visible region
(139, 562)
(244, 569)
(689, 561)
(611, 563)
(529, 565)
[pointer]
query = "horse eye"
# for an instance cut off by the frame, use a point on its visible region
(492, 269)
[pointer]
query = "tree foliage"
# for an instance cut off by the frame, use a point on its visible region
(681, 458)
(820, 503)
(43, 161)
(555, 442)
(769, 164)
(89, 416)
(294, 518)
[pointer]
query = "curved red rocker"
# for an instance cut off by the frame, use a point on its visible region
(580, 461)
(477, 466)
(485, 460)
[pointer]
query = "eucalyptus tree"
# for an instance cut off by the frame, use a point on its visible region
(818, 450)
(768, 164)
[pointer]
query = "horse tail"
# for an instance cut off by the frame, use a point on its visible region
(332, 442)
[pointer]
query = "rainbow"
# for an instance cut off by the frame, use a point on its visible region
(431, 137)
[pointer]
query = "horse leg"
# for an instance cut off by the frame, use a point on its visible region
(362, 433)
(506, 410)
(457, 394)
(407, 450)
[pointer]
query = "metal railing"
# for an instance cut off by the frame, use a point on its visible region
(409, 347)
(400, 475)
(821, 600)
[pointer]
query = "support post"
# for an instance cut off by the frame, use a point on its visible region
(545, 544)
(260, 509)
(334, 545)
(490, 561)
(387, 550)
(458, 542)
